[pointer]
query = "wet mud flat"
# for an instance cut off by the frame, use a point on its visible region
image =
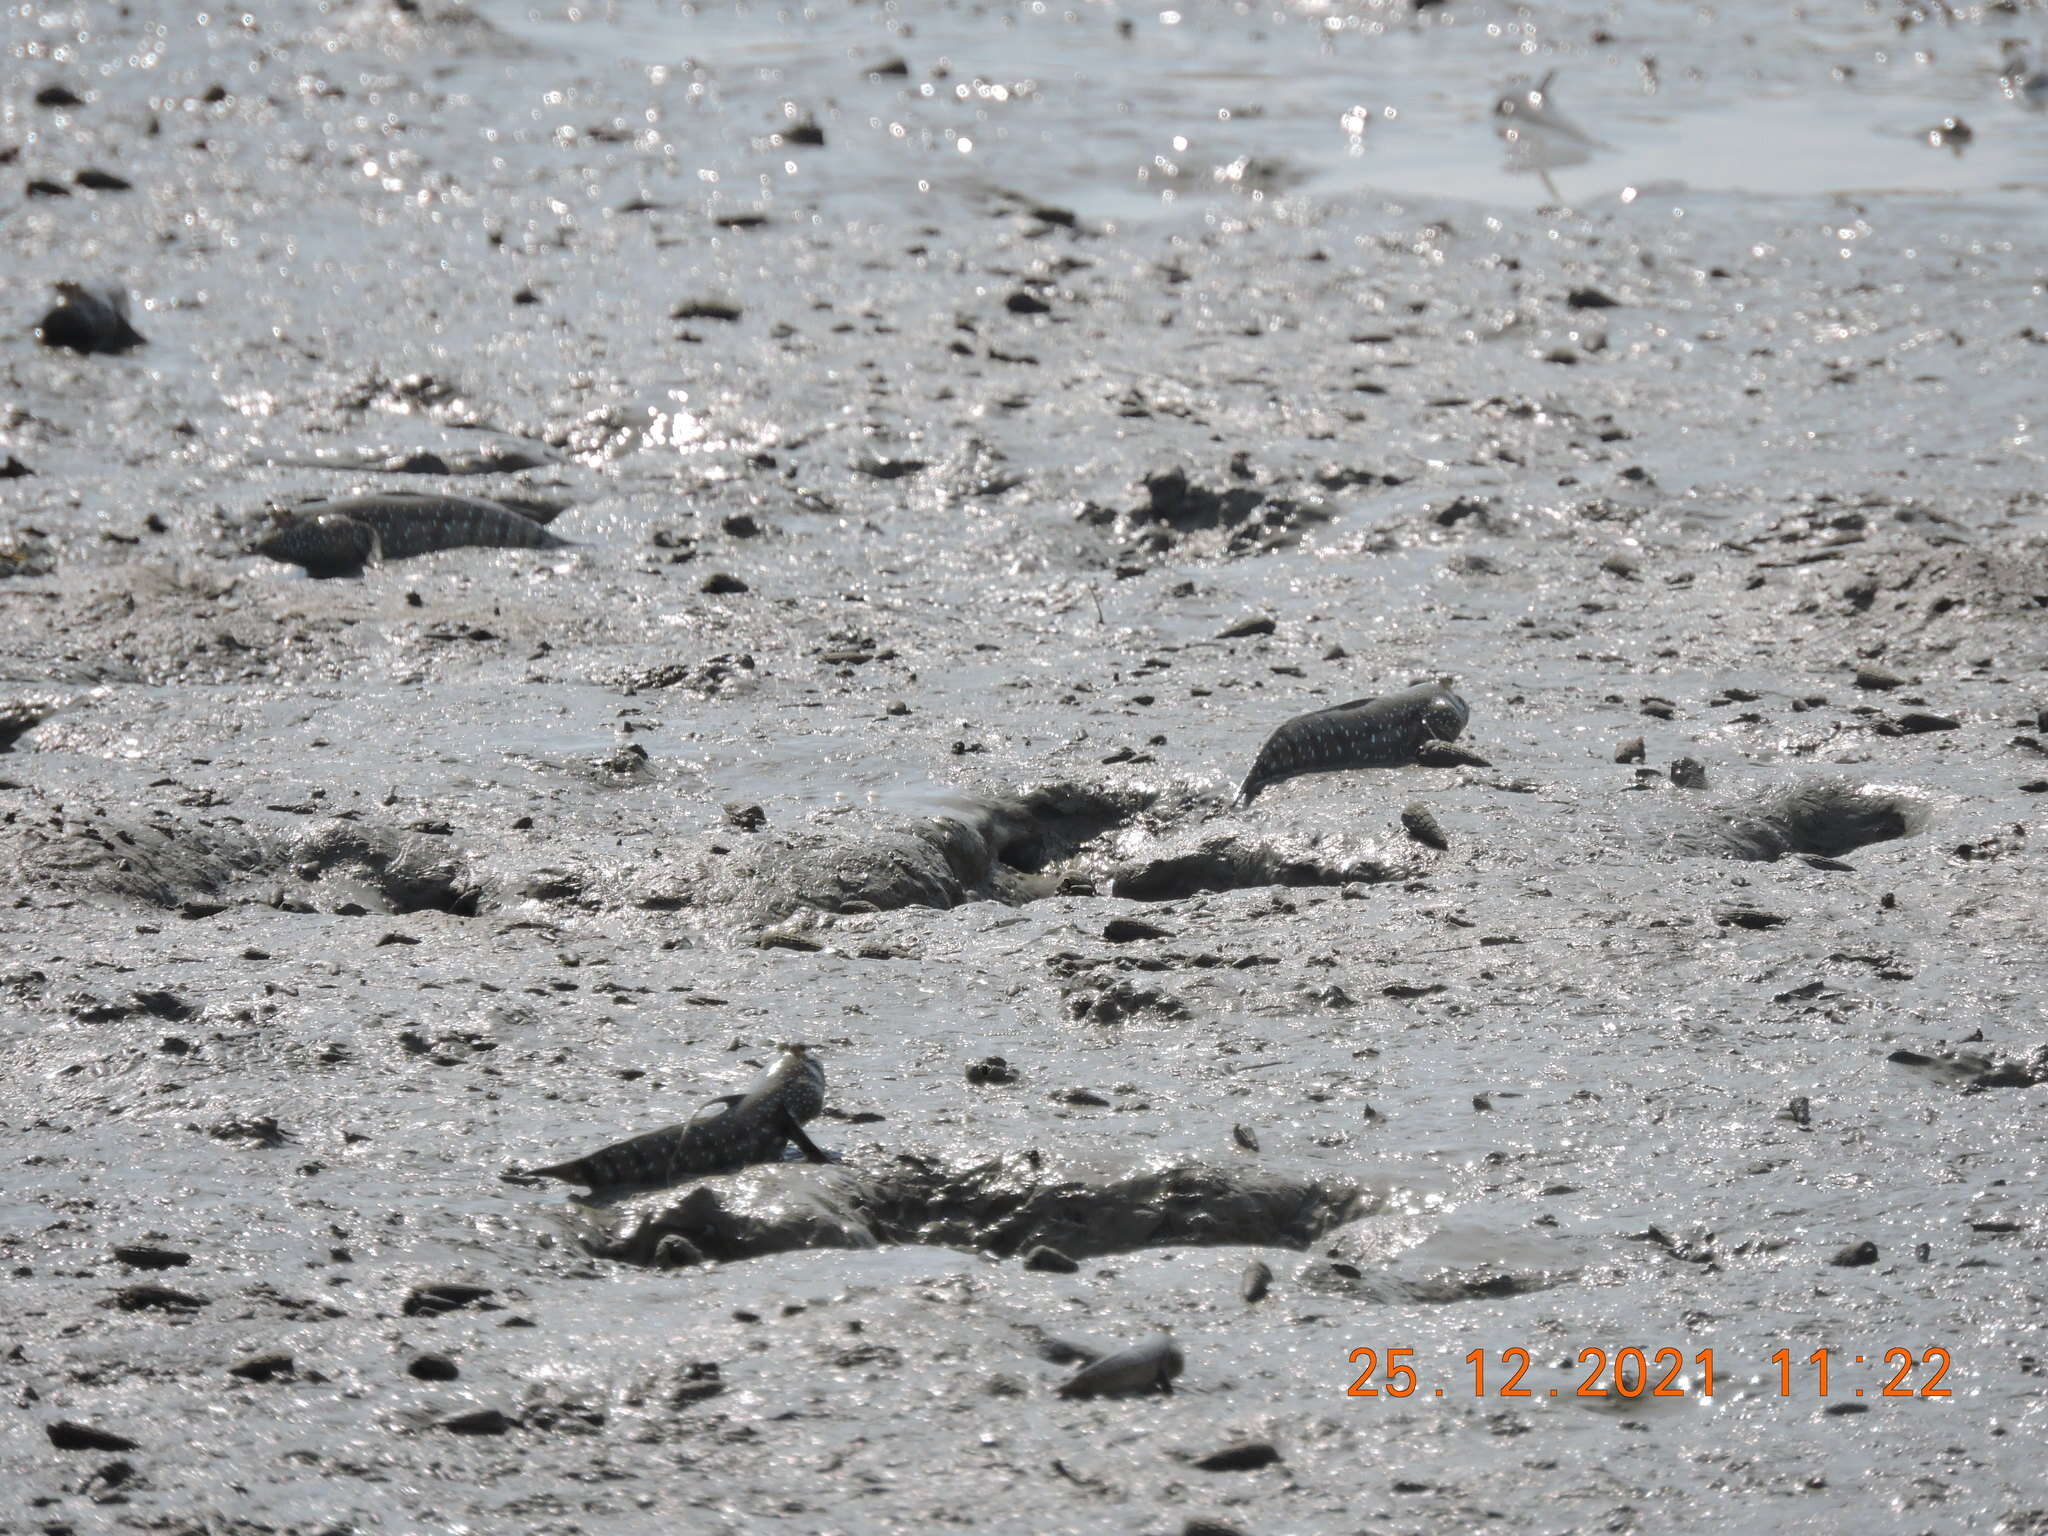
(928, 583)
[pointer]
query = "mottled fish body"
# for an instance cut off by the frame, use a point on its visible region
(326, 545)
(1148, 1367)
(744, 1128)
(1381, 732)
(408, 523)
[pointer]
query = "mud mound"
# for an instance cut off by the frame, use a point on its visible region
(389, 871)
(1005, 1206)
(1824, 816)
(1196, 861)
(975, 847)
(161, 862)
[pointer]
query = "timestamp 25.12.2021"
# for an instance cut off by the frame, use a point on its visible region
(1668, 1372)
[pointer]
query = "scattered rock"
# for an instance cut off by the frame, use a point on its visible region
(446, 1296)
(1631, 751)
(1129, 930)
(991, 1072)
(1050, 1260)
(1855, 1255)
(1242, 1456)
(1420, 823)
(142, 1256)
(431, 1367)
(1743, 916)
(264, 1367)
(722, 584)
(1255, 1281)
(1246, 628)
(1689, 773)
(155, 1298)
(1875, 677)
(70, 1435)
(480, 1421)
(706, 309)
(1245, 1137)
(1917, 723)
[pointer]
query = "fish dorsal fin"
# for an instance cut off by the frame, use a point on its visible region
(1352, 704)
(705, 1111)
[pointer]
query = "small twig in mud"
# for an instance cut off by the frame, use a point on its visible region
(1092, 592)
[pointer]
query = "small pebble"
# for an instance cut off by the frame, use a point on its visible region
(432, 1368)
(991, 1072)
(1855, 1256)
(1245, 1137)
(1256, 1280)
(1631, 751)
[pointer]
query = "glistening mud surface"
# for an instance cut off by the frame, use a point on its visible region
(941, 555)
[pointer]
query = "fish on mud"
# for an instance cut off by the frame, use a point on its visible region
(728, 1133)
(339, 538)
(1382, 732)
(1147, 1367)
(89, 319)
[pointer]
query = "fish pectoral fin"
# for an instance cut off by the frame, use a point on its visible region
(725, 1099)
(810, 1149)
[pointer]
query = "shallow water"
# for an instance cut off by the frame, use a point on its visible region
(379, 858)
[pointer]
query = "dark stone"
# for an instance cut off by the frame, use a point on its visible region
(1589, 298)
(142, 1257)
(263, 1367)
(1855, 1256)
(720, 584)
(991, 1072)
(432, 1368)
(154, 1298)
(433, 1300)
(1631, 751)
(481, 1421)
(1126, 930)
(1051, 1260)
(1023, 303)
(70, 1435)
(1689, 773)
(1244, 1456)
(706, 309)
(1918, 723)
(1747, 917)
(1245, 628)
